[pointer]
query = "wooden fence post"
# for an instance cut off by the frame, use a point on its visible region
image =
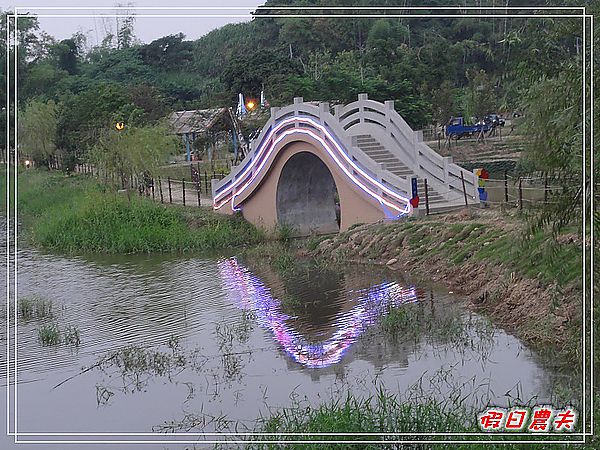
(505, 187)
(162, 200)
(426, 197)
(170, 193)
(520, 194)
(546, 188)
(183, 190)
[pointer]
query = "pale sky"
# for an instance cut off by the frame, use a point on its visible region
(146, 28)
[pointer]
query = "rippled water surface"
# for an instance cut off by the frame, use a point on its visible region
(177, 344)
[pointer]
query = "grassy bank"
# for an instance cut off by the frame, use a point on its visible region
(76, 214)
(529, 286)
(387, 413)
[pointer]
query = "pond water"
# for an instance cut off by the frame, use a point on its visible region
(209, 344)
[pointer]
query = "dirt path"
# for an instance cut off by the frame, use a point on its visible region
(493, 149)
(176, 197)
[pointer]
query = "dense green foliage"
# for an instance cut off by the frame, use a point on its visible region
(38, 127)
(74, 214)
(433, 67)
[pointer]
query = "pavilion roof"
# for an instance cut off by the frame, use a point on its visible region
(196, 121)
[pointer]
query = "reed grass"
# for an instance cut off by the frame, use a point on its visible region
(34, 306)
(49, 335)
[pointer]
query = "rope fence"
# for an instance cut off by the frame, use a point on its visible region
(512, 191)
(165, 190)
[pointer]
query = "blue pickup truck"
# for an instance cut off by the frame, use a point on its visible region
(457, 129)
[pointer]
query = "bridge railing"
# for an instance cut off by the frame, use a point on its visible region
(363, 117)
(321, 114)
(383, 122)
(371, 117)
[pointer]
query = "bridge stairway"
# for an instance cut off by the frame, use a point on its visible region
(378, 153)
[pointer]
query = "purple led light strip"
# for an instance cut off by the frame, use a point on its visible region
(407, 208)
(249, 292)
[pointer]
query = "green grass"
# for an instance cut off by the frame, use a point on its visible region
(284, 232)
(34, 307)
(284, 262)
(538, 257)
(383, 413)
(71, 336)
(77, 215)
(49, 334)
(397, 320)
(279, 255)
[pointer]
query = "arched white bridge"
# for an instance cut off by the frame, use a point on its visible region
(320, 170)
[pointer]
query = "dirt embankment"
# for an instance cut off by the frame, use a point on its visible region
(479, 254)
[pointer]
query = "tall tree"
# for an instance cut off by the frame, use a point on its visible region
(443, 103)
(37, 130)
(482, 98)
(66, 53)
(133, 151)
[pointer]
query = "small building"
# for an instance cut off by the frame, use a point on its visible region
(209, 125)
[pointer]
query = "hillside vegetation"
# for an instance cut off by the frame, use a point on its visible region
(434, 68)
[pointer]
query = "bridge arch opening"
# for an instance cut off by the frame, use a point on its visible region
(307, 197)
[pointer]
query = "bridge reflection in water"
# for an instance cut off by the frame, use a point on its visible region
(362, 309)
